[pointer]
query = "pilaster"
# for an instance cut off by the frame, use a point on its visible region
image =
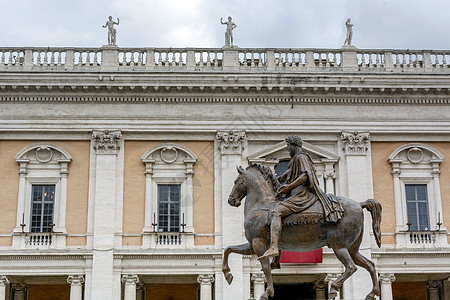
(19, 291)
(130, 282)
(4, 282)
(206, 282)
(106, 146)
(356, 148)
(386, 280)
(259, 284)
(320, 287)
(433, 287)
(76, 286)
(230, 146)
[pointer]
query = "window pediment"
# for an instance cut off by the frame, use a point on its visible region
(169, 157)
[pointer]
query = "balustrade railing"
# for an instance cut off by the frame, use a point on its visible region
(422, 237)
(217, 59)
(39, 239)
(168, 239)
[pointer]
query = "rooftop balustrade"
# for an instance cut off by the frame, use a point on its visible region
(222, 59)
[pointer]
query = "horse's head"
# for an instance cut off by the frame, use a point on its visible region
(239, 190)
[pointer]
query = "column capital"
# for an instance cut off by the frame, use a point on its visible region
(231, 141)
(19, 287)
(356, 142)
(434, 284)
(331, 277)
(258, 278)
(75, 279)
(320, 285)
(130, 279)
(205, 279)
(106, 141)
(4, 280)
(387, 278)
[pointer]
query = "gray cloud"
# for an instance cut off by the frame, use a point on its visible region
(401, 24)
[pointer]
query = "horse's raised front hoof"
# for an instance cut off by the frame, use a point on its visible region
(370, 297)
(229, 278)
(264, 297)
(332, 294)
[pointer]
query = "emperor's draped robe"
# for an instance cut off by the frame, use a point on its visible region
(303, 196)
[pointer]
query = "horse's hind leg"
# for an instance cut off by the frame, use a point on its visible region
(244, 249)
(367, 264)
(344, 256)
(260, 246)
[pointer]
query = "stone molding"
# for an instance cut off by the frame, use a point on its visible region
(231, 142)
(387, 278)
(356, 142)
(106, 142)
(130, 279)
(205, 279)
(219, 99)
(75, 279)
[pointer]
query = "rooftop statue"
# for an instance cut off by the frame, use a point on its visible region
(111, 30)
(229, 32)
(292, 213)
(349, 36)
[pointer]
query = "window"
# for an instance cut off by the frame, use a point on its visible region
(417, 195)
(42, 203)
(169, 197)
(281, 167)
(417, 206)
(169, 207)
(42, 195)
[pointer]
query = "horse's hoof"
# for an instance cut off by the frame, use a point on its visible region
(229, 278)
(264, 297)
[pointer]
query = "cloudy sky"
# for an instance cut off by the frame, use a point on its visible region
(399, 24)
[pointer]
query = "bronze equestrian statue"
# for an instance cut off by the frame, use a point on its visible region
(312, 219)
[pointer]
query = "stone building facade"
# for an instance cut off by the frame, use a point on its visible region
(116, 165)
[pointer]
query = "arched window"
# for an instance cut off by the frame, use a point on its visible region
(169, 169)
(418, 207)
(41, 205)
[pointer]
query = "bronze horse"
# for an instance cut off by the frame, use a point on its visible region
(259, 185)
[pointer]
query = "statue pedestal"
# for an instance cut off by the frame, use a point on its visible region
(349, 59)
(109, 58)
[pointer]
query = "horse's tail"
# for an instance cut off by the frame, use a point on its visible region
(374, 207)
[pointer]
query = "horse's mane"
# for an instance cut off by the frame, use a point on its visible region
(267, 174)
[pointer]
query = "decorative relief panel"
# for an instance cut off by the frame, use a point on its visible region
(106, 142)
(355, 143)
(231, 142)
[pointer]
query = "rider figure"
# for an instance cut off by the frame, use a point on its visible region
(301, 187)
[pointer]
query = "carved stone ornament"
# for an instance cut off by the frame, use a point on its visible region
(415, 155)
(44, 154)
(4, 280)
(355, 143)
(258, 278)
(434, 284)
(75, 279)
(205, 279)
(320, 285)
(387, 278)
(169, 154)
(130, 279)
(106, 142)
(231, 142)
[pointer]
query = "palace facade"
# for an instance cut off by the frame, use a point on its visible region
(116, 165)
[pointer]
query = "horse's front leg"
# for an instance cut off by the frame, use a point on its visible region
(260, 246)
(244, 249)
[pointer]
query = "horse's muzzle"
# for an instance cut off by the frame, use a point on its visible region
(234, 202)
